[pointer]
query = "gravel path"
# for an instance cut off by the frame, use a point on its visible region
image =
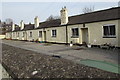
(28, 64)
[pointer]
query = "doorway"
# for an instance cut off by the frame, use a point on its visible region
(84, 35)
(25, 35)
(44, 36)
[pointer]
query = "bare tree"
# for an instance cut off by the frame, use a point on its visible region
(51, 17)
(88, 9)
(8, 21)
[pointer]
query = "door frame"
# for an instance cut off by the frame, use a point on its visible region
(44, 36)
(85, 37)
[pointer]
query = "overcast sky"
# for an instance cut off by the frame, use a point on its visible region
(26, 11)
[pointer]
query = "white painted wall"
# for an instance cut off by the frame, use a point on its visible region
(96, 33)
(61, 34)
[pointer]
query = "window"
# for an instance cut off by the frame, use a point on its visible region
(54, 33)
(109, 31)
(40, 33)
(75, 32)
(30, 34)
(23, 34)
(18, 34)
(13, 34)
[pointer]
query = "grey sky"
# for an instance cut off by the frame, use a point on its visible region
(26, 11)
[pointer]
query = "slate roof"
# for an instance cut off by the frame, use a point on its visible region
(103, 15)
(52, 23)
(28, 27)
(97, 16)
(17, 28)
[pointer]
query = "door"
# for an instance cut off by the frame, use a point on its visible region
(10, 35)
(25, 35)
(44, 36)
(84, 35)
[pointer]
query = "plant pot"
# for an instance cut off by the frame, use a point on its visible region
(89, 46)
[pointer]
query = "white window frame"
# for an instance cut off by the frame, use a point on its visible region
(74, 36)
(30, 34)
(17, 34)
(13, 34)
(55, 33)
(109, 36)
(39, 34)
(23, 34)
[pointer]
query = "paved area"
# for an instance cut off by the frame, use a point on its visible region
(75, 53)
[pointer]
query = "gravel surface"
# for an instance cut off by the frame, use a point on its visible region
(28, 64)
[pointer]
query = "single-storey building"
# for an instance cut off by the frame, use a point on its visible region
(95, 28)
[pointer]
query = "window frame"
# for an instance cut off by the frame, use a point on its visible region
(54, 33)
(108, 34)
(30, 34)
(74, 35)
(23, 34)
(13, 34)
(17, 34)
(39, 34)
